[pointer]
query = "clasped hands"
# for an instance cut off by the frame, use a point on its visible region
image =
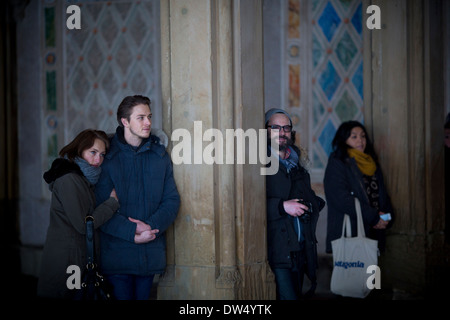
(144, 233)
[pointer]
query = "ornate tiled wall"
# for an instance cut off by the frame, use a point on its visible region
(88, 71)
(325, 82)
(337, 71)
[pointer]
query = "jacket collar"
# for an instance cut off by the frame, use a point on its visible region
(118, 144)
(59, 168)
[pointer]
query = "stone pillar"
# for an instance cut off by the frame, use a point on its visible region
(212, 72)
(404, 111)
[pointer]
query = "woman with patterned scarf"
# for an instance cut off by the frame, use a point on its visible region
(353, 171)
(71, 180)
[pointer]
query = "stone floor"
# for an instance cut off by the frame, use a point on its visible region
(23, 287)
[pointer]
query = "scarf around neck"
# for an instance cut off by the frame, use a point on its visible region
(364, 161)
(90, 172)
(291, 160)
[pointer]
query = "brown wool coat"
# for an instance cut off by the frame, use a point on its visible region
(72, 199)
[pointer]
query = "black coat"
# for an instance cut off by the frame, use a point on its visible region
(342, 182)
(281, 235)
(72, 199)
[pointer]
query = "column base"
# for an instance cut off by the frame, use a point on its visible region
(200, 283)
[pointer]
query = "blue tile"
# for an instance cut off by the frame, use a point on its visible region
(326, 137)
(329, 21)
(357, 19)
(329, 80)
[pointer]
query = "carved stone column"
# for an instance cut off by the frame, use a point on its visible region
(212, 72)
(404, 111)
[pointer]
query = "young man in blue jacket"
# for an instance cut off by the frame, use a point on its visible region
(133, 246)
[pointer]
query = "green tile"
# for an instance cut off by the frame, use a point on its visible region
(346, 50)
(316, 51)
(318, 110)
(346, 108)
(346, 3)
(50, 37)
(50, 78)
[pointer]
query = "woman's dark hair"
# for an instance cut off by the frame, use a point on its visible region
(343, 133)
(84, 140)
(126, 107)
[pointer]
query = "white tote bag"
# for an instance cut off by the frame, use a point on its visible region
(351, 258)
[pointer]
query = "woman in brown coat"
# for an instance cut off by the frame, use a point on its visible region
(71, 180)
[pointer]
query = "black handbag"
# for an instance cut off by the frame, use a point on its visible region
(94, 286)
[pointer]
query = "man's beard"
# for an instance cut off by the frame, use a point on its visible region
(282, 147)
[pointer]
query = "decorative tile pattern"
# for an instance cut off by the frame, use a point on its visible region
(357, 80)
(346, 108)
(294, 19)
(293, 52)
(89, 71)
(51, 76)
(323, 70)
(317, 50)
(357, 19)
(294, 85)
(329, 21)
(346, 50)
(326, 136)
(50, 84)
(324, 86)
(346, 4)
(329, 80)
(337, 72)
(50, 32)
(113, 56)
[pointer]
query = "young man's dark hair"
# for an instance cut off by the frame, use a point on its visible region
(126, 106)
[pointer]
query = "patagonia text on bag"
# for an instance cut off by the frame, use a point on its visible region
(351, 258)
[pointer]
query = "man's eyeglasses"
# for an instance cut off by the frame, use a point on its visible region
(276, 127)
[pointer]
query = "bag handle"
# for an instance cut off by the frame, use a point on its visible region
(346, 225)
(360, 223)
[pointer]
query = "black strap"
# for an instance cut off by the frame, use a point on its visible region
(90, 242)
